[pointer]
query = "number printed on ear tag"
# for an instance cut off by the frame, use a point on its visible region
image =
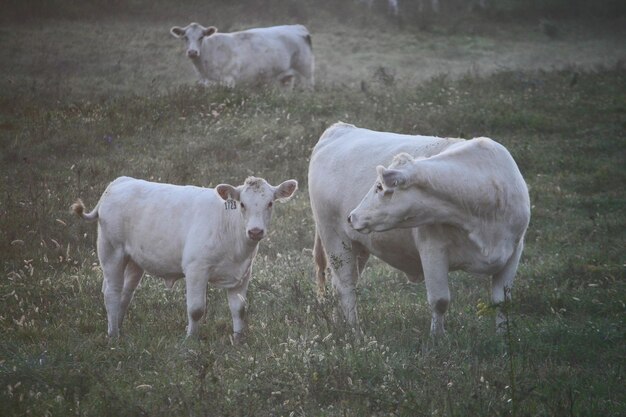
(230, 205)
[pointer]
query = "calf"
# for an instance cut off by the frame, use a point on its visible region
(204, 235)
(274, 55)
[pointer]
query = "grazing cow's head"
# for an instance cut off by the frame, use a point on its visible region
(193, 35)
(256, 198)
(398, 199)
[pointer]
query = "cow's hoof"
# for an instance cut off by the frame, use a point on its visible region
(239, 338)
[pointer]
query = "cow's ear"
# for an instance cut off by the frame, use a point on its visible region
(227, 192)
(209, 31)
(177, 32)
(285, 190)
(391, 177)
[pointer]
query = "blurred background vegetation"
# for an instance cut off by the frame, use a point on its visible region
(22, 10)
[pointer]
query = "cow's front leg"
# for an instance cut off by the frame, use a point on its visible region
(346, 261)
(237, 304)
(501, 285)
(132, 277)
(435, 266)
(196, 282)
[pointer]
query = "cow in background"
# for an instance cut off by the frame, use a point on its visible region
(277, 55)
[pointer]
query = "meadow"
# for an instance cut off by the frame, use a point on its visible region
(87, 95)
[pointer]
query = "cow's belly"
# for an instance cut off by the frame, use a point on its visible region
(219, 274)
(263, 65)
(160, 263)
(259, 73)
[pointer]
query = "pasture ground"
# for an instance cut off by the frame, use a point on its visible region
(90, 96)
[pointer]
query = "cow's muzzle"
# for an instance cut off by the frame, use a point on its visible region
(357, 224)
(256, 234)
(193, 53)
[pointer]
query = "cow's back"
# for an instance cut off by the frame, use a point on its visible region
(278, 31)
(275, 46)
(136, 214)
(131, 199)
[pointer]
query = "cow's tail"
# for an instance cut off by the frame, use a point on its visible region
(319, 255)
(79, 209)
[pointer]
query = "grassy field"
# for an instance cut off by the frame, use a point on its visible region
(87, 96)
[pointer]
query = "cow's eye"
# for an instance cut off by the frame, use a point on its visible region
(270, 204)
(243, 206)
(379, 187)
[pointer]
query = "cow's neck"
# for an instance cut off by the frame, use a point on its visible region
(482, 232)
(197, 63)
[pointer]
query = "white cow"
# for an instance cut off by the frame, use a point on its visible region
(443, 205)
(278, 54)
(204, 235)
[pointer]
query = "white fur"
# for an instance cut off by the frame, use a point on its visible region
(443, 205)
(181, 231)
(274, 55)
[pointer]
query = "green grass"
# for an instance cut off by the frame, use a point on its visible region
(60, 140)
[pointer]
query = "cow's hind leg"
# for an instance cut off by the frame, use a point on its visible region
(287, 79)
(321, 264)
(113, 263)
(501, 286)
(132, 277)
(305, 67)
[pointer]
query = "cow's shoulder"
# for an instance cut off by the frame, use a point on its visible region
(479, 152)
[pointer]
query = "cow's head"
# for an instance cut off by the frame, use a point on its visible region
(193, 35)
(255, 199)
(400, 198)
